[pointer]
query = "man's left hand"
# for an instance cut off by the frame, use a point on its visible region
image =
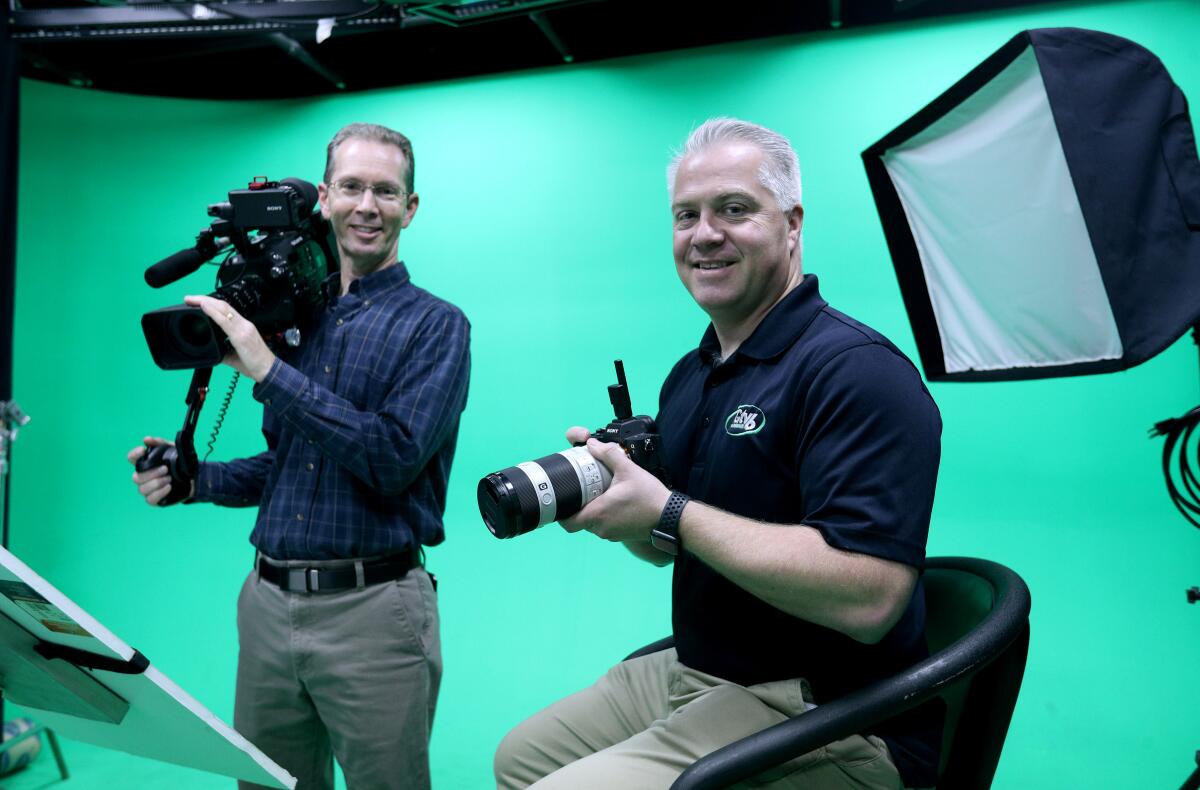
(250, 355)
(630, 507)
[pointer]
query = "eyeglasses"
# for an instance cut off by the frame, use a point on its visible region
(384, 193)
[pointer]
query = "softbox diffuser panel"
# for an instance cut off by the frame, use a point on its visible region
(1043, 214)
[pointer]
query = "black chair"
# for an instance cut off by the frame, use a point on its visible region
(978, 633)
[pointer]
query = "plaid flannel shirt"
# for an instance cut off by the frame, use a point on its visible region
(360, 421)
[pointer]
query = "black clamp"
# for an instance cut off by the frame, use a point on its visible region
(82, 658)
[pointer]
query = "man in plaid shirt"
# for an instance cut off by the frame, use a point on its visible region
(337, 623)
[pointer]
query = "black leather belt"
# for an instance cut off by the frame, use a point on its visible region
(297, 578)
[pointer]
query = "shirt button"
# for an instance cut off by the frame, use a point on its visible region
(309, 467)
(299, 516)
(367, 303)
(706, 421)
(328, 369)
(267, 401)
(340, 322)
(310, 441)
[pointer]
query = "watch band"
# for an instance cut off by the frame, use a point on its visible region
(665, 535)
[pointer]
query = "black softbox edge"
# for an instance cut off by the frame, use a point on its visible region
(1176, 152)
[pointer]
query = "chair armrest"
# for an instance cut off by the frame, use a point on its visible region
(855, 712)
(654, 647)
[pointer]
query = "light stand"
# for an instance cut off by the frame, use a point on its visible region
(12, 419)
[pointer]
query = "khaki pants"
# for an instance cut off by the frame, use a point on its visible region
(648, 719)
(352, 674)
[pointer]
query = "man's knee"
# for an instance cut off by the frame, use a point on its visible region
(511, 765)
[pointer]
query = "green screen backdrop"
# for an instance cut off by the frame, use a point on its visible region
(544, 216)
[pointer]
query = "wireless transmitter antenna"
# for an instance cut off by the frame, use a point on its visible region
(618, 394)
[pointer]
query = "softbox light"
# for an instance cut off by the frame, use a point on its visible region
(1043, 214)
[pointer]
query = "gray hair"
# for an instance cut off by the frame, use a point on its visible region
(780, 170)
(377, 133)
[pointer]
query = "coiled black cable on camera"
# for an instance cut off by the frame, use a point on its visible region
(212, 440)
(1179, 432)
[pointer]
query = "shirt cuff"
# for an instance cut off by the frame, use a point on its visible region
(206, 481)
(282, 386)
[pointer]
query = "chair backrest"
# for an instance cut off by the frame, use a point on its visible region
(979, 706)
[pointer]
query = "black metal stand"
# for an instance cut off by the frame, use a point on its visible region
(11, 419)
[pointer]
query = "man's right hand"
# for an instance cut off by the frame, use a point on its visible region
(640, 548)
(153, 484)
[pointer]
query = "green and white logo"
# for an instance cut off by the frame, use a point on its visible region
(745, 420)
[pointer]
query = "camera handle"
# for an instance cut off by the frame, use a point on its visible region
(180, 458)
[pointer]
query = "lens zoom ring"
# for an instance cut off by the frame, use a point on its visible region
(567, 493)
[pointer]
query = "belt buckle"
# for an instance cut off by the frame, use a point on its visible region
(306, 579)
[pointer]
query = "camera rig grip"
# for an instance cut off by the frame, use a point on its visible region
(180, 458)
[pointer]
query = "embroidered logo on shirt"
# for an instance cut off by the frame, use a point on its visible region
(745, 420)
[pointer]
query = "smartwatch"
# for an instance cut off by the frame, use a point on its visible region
(665, 535)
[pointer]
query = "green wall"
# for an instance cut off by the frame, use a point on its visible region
(544, 216)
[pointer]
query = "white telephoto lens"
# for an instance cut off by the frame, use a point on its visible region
(594, 477)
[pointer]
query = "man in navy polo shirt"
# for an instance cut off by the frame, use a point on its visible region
(803, 451)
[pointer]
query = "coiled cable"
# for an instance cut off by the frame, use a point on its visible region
(212, 440)
(1179, 432)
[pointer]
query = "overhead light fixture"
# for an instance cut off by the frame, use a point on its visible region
(466, 12)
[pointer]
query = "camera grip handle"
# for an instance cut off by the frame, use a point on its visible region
(167, 455)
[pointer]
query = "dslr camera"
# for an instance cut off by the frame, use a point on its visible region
(522, 498)
(280, 254)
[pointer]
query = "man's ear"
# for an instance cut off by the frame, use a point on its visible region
(795, 220)
(410, 209)
(323, 199)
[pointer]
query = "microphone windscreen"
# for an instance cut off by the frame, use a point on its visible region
(173, 267)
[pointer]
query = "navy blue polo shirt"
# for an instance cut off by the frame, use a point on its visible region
(817, 420)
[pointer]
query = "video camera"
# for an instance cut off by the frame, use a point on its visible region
(282, 253)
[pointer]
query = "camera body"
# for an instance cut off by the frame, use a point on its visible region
(639, 438)
(524, 497)
(281, 254)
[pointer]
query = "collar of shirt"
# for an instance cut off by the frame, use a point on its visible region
(370, 286)
(777, 331)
